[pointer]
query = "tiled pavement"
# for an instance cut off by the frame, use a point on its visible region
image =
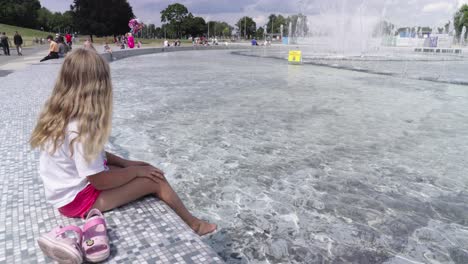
(146, 231)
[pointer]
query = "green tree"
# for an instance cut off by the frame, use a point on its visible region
(59, 22)
(461, 19)
(22, 13)
(194, 26)
(224, 29)
(168, 31)
(43, 17)
(227, 31)
(260, 34)
(218, 28)
(158, 32)
(275, 22)
(175, 15)
(246, 27)
(103, 17)
(149, 31)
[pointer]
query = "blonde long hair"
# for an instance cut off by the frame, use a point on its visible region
(82, 92)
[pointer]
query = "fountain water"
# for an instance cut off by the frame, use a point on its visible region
(340, 28)
(463, 37)
(341, 34)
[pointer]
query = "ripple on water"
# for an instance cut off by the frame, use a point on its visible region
(302, 164)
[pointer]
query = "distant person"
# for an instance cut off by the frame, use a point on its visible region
(254, 42)
(166, 43)
(63, 48)
(107, 48)
(18, 40)
(88, 45)
(139, 44)
(60, 39)
(5, 44)
(130, 41)
(53, 49)
(68, 39)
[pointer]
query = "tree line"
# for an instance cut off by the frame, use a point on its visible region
(30, 14)
(110, 17)
(460, 20)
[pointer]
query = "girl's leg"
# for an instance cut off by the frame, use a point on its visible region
(139, 187)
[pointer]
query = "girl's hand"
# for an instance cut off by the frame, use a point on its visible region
(132, 163)
(151, 173)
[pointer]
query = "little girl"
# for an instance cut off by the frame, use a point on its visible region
(72, 129)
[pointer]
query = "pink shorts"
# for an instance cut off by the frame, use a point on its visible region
(82, 203)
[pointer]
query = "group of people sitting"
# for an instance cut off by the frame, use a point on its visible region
(176, 43)
(265, 43)
(58, 46)
(127, 40)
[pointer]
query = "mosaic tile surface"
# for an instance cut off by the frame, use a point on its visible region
(146, 231)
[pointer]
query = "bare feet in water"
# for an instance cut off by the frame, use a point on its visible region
(203, 228)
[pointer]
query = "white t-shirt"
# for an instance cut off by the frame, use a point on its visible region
(63, 175)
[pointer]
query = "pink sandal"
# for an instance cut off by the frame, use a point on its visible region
(95, 241)
(61, 248)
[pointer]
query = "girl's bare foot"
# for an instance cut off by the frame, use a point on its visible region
(203, 228)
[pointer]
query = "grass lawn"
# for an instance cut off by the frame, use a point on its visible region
(30, 34)
(144, 41)
(27, 33)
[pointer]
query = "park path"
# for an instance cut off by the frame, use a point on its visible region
(30, 56)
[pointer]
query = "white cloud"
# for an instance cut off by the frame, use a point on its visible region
(462, 2)
(438, 7)
(400, 12)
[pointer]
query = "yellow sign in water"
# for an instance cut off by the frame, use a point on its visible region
(295, 56)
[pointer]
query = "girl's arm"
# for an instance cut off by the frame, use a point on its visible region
(115, 160)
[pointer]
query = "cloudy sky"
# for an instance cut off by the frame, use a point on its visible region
(401, 12)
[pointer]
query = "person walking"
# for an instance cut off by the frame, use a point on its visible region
(5, 44)
(18, 40)
(53, 49)
(68, 39)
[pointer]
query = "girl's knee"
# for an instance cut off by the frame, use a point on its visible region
(148, 184)
(163, 189)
